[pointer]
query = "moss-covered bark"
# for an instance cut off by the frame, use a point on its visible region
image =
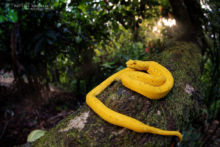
(174, 112)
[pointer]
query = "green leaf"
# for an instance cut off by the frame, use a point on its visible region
(108, 65)
(34, 135)
(2, 19)
(13, 15)
(82, 7)
(115, 26)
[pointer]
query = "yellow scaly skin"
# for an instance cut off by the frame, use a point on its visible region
(154, 85)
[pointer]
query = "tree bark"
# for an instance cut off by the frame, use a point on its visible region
(176, 111)
(189, 17)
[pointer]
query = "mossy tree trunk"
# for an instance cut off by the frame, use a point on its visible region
(176, 111)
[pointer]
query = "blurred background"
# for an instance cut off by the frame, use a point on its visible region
(52, 52)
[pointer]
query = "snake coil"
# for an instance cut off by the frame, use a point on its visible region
(154, 84)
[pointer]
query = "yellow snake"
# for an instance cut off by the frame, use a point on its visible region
(154, 84)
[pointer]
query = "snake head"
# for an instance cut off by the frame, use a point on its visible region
(131, 63)
(137, 64)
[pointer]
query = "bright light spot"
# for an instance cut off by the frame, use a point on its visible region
(110, 4)
(163, 22)
(159, 23)
(168, 22)
(154, 29)
(205, 5)
(67, 5)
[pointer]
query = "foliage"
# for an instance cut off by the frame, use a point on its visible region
(211, 71)
(55, 41)
(79, 44)
(119, 49)
(35, 134)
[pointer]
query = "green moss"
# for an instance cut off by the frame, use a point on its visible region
(176, 110)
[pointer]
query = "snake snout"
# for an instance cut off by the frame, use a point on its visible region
(130, 63)
(138, 65)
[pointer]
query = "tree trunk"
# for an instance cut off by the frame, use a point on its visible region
(176, 111)
(189, 17)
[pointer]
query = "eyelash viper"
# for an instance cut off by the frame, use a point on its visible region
(154, 84)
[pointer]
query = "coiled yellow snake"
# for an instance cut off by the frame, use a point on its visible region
(154, 85)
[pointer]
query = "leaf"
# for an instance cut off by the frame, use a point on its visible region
(12, 16)
(34, 135)
(108, 65)
(2, 19)
(82, 7)
(115, 26)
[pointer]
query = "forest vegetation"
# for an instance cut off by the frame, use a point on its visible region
(53, 52)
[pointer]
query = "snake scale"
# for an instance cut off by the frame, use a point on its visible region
(154, 84)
